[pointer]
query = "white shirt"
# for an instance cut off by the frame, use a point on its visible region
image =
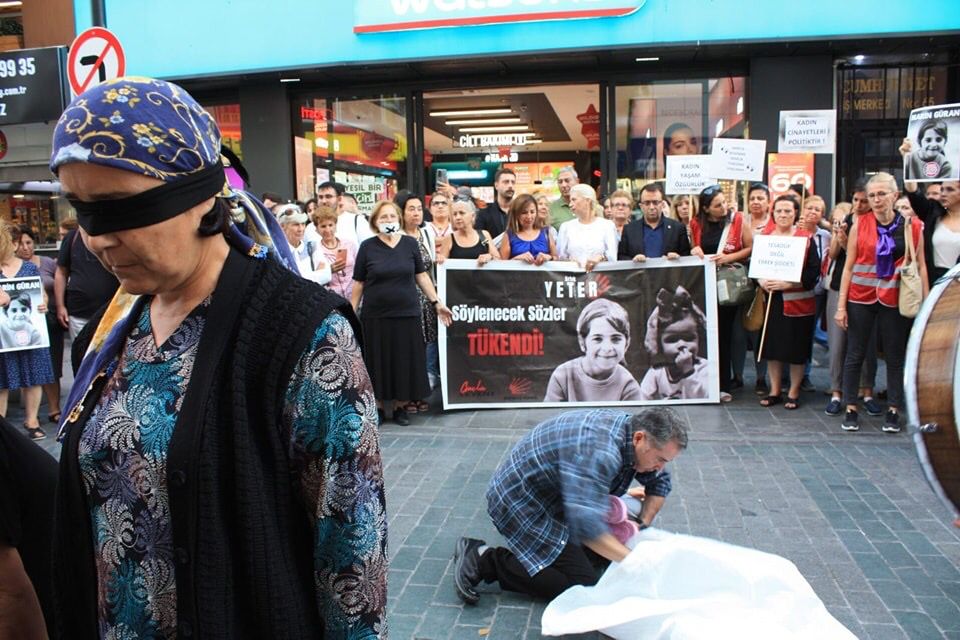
(946, 247)
(305, 262)
(578, 241)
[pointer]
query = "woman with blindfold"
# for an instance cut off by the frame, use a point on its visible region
(220, 473)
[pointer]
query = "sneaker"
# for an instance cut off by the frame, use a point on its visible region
(873, 407)
(833, 407)
(891, 424)
(851, 421)
(807, 385)
(466, 572)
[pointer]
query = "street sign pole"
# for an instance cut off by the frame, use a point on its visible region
(99, 13)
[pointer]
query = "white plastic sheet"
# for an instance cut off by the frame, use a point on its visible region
(678, 587)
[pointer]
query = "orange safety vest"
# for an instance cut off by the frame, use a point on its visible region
(734, 238)
(865, 286)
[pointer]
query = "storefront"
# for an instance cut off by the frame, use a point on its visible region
(380, 95)
(32, 95)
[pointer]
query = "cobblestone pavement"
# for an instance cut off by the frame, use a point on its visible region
(851, 510)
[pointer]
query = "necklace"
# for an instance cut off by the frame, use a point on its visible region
(336, 243)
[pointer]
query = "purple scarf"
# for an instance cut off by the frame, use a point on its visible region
(885, 247)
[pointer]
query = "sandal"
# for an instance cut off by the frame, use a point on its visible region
(410, 407)
(423, 407)
(770, 401)
(35, 433)
(791, 403)
(54, 417)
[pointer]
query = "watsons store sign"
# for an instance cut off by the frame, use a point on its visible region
(377, 16)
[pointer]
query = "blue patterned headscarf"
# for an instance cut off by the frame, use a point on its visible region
(153, 128)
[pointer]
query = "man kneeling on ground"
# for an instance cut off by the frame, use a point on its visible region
(549, 499)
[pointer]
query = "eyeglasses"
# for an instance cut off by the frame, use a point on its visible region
(651, 203)
(877, 195)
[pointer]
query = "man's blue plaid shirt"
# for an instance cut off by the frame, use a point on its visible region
(553, 487)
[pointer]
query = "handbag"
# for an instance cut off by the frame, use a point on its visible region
(753, 318)
(911, 283)
(734, 288)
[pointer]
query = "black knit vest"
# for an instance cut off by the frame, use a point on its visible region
(242, 537)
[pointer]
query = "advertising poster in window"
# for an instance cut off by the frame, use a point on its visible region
(669, 123)
(623, 334)
(22, 324)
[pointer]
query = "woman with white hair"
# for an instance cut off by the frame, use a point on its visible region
(309, 258)
(466, 242)
(588, 239)
(870, 295)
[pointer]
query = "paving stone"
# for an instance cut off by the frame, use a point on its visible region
(917, 626)
(942, 611)
(896, 555)
(895, 595)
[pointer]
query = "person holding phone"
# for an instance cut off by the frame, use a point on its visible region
(339, 253)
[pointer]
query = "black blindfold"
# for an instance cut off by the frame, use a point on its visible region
(150, 207)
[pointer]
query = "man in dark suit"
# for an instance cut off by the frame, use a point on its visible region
(653, 235)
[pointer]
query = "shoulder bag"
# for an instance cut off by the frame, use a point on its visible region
(911, 285)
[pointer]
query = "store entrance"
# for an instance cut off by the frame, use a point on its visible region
(534, 130)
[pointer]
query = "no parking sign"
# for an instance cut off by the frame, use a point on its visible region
(95, 57)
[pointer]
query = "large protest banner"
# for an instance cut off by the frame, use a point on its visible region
(22, 324)
(625, 334)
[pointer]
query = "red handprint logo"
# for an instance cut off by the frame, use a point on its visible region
(603, 284)
(519, 386)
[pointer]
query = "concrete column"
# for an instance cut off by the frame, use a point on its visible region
(787, 84)
(267, 138)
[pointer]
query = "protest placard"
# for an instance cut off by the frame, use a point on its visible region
(811, 131)
(934, 133)
(778, 257)
(734, 159)
(22, 325)
(688, 175)
(523, 336)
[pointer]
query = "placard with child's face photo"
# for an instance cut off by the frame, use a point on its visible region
(934, 135)
(625, 334)
(22, 323)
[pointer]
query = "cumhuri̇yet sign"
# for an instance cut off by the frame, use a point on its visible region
(377, 16)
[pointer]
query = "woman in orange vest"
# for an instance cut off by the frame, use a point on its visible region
(789, 334)
(722, 235)
(871, 286)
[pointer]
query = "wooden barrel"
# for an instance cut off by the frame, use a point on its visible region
(932, 388)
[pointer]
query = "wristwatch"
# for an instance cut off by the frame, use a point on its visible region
(435, 302)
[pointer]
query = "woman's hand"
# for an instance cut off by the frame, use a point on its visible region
(444, 315)
(840, 317)
(721, 258)
(42, 307)
(906, 147)
(339, 266)
(672, 255)
(541, 258)
(440, 259)
(639, 258)
(484, 259)
(592, 262)
(524, 257)
(4, 298)
(697, 252)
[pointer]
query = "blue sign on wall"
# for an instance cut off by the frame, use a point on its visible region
(186, 38)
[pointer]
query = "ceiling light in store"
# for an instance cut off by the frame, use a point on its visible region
(649, 59)
(10, 4)
(739, 105)
(289, 79)
(18, 196)
(512, 127)
(859, 58)
(481, 111)
(512, 120)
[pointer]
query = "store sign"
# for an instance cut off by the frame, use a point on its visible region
(496, 140)
(378, 16)
(32, 87)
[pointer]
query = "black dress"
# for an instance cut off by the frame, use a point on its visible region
(394, 348)
(790, 339)
(469, 253)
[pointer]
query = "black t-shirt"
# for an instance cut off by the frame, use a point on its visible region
(389, 286)
(89, 285)
(28, 480)
(492, 219)
(711, 234)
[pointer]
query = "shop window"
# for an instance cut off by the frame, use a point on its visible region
(227, 117)
(878, 93)
(361, 144)
(659, 119)
(37, 211)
